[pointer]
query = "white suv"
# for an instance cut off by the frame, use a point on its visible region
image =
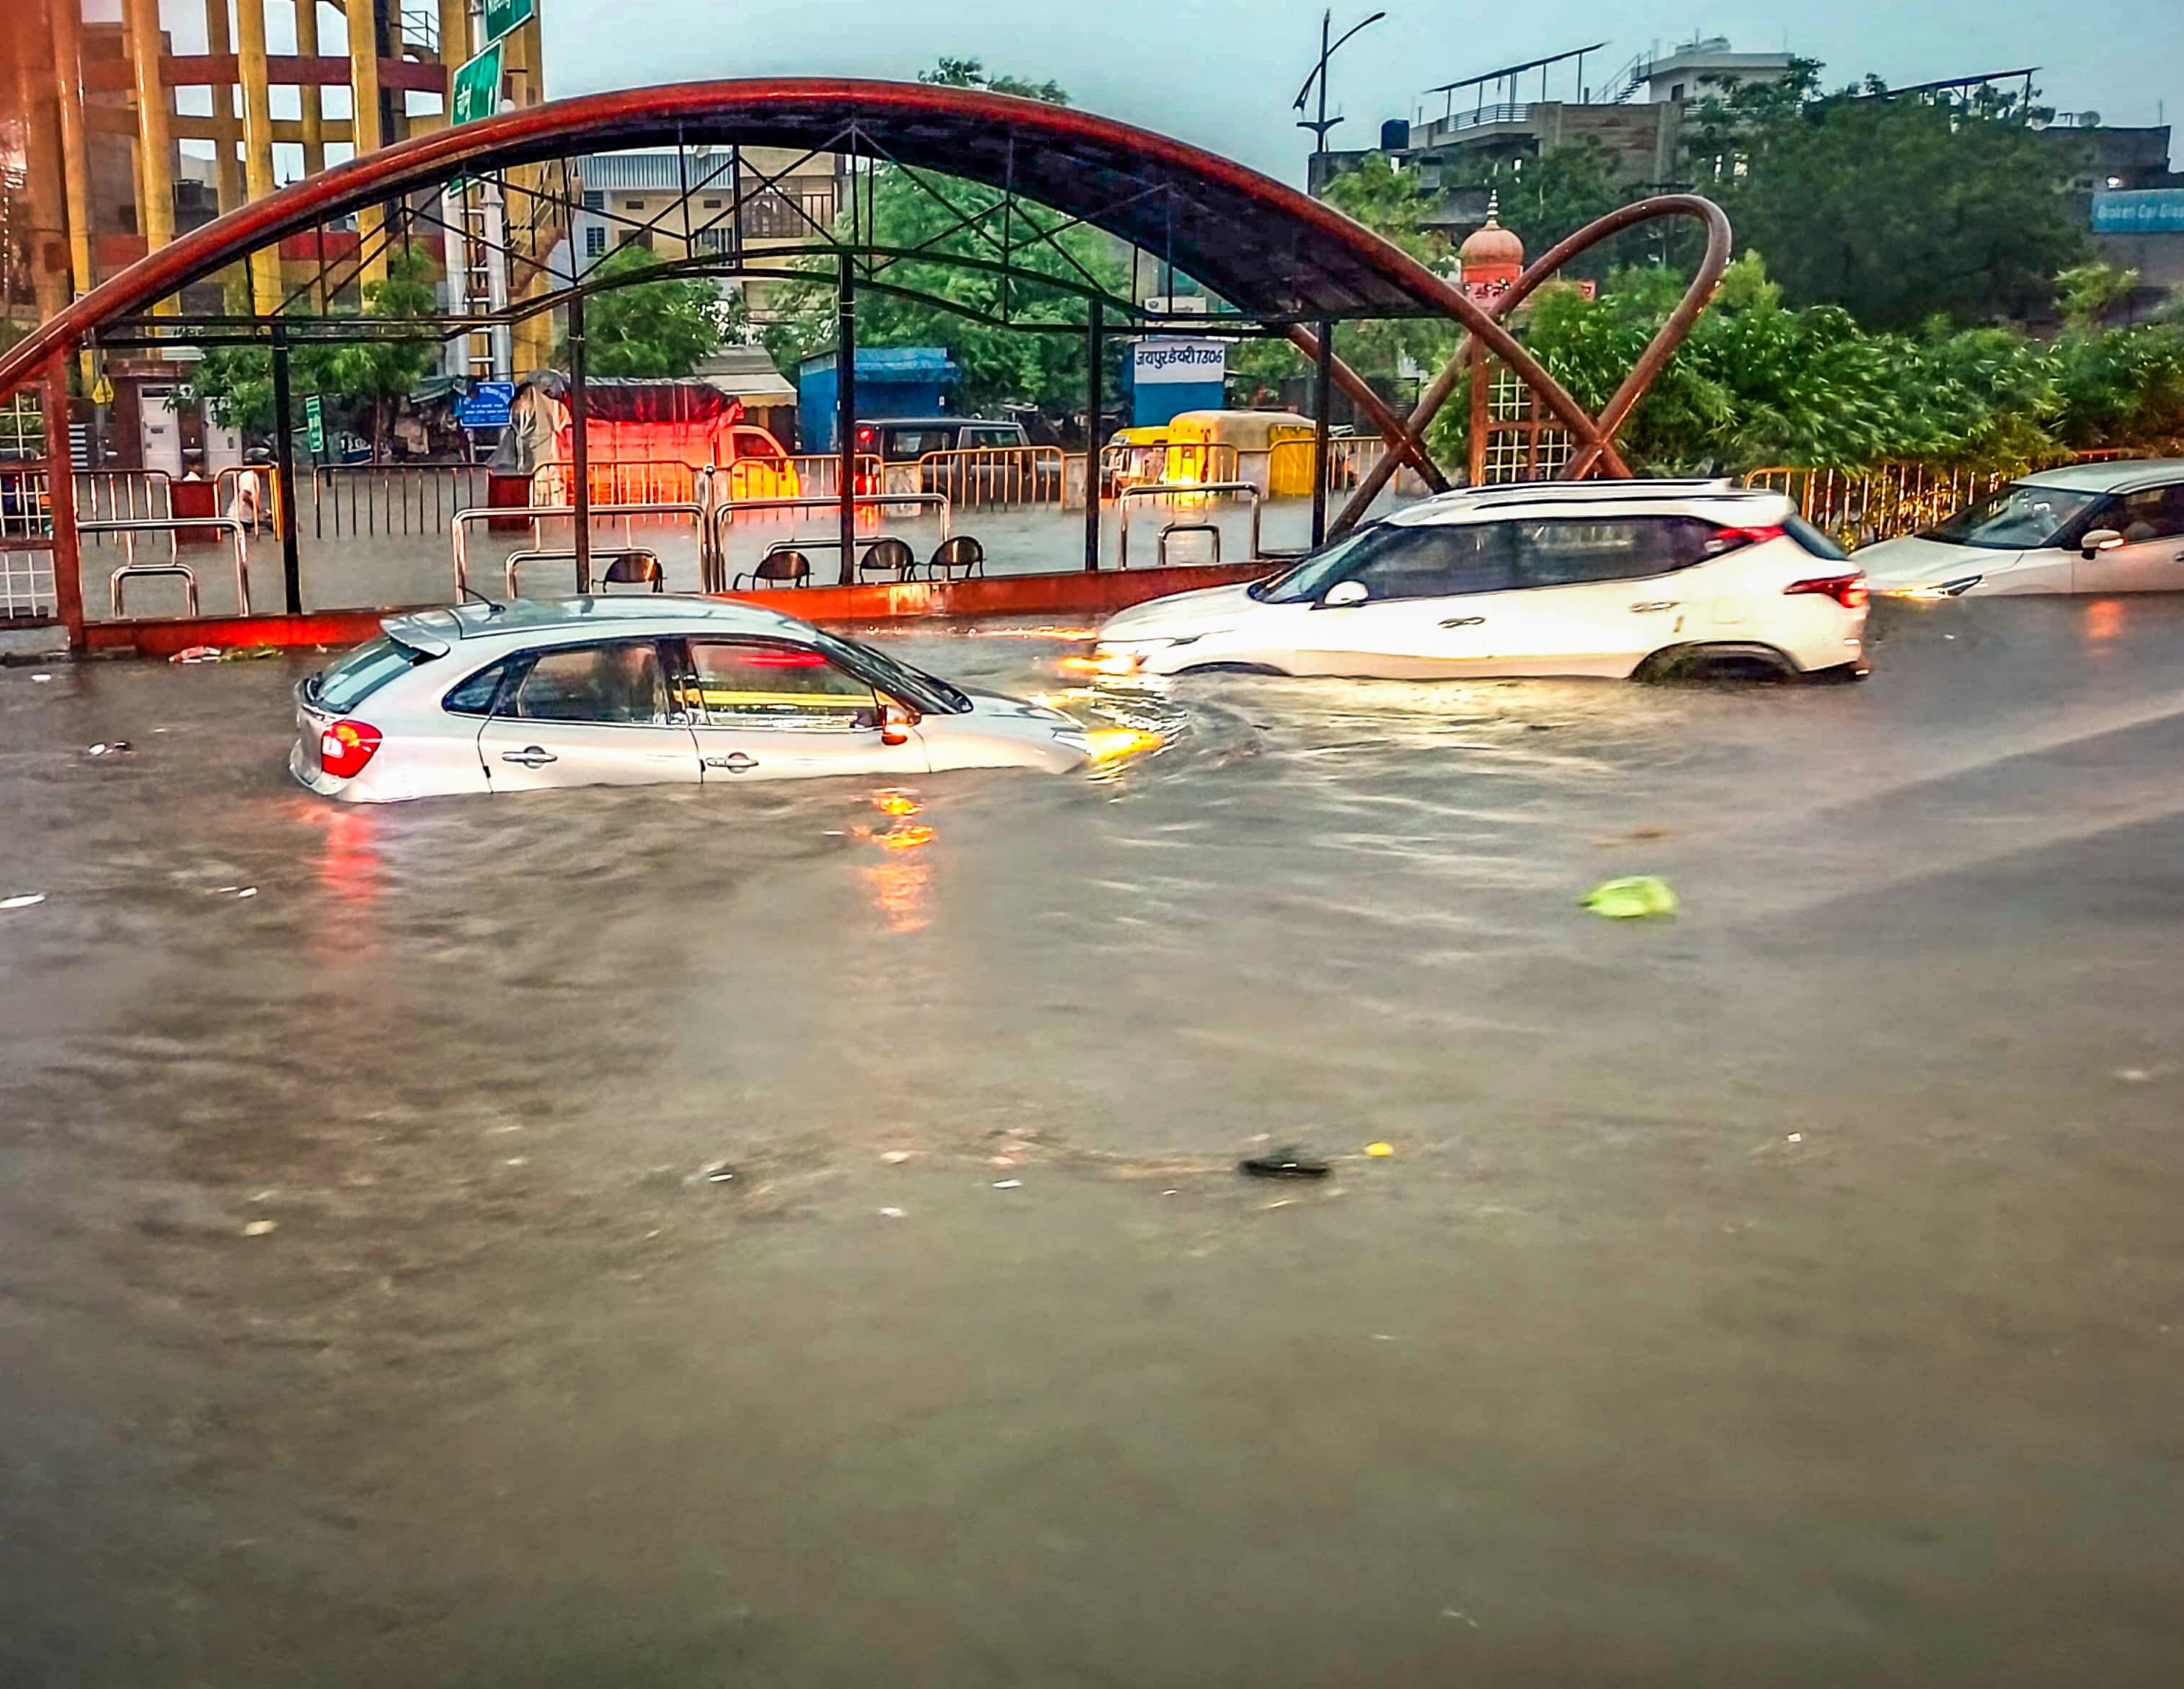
(1616, 578)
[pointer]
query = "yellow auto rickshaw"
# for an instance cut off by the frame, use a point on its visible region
(1272, 449)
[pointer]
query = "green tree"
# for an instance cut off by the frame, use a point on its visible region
(1895, 208)
(971, 73)
(372, 372)
(662, 327)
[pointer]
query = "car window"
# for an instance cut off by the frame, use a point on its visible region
(991, 437)
(750, 442)
(760, 684)
(1569, 552)
(905, 444)
(1437, 561)
(475, 696)
(619, 683)
(2155, 513)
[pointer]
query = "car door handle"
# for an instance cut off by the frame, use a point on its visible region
(1465, 621)
(531, 757)
(737, 762)
(1653, 605)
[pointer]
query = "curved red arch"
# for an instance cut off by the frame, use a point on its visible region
(1270, 249)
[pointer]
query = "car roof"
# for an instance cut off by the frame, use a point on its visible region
(2121, 475)
(558, 621)
(1669, 497)
(933, 421)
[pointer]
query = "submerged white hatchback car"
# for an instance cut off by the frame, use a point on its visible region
(640, 691)
(1610, 578)
(2089, 528)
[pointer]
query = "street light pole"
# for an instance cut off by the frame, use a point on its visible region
(1328, 49)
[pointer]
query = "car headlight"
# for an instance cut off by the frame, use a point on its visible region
(1956, 589)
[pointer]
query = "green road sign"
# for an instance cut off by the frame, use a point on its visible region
(476, 90)
(314, 425)
(503, 15)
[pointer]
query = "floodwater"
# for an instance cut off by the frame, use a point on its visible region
(1789, 1293)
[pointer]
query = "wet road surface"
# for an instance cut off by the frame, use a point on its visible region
(1790, 1293)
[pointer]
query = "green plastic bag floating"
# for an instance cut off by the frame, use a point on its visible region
(1631, 899)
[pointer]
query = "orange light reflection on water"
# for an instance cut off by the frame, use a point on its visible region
(2104, 619)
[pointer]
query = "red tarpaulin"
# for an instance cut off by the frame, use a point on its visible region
(654, 422)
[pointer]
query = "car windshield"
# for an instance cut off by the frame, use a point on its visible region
(2017, 518)
(1320, 571)
(891, 674)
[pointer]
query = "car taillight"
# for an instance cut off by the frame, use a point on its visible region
(866, 435)
(345, 747)
(1746, 536)
(1846, 590)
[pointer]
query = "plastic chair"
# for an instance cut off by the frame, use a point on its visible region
(635, 568)
(957, 559)
(782, 568)
(889, 556)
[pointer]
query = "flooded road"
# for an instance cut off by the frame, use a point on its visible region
(765, 1238)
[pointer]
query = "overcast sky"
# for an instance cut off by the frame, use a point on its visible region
(1222, 73)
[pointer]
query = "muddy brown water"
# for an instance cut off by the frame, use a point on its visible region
(1788, 1293)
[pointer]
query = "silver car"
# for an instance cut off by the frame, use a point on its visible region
(642, 691)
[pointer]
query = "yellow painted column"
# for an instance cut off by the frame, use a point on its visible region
(47, 200)
(454, 34)
(257, 142)
(155, 140)
(364, 125)
(76, 151)
(314, 119)
(227, 178)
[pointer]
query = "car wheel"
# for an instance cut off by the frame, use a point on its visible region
(1739, 662)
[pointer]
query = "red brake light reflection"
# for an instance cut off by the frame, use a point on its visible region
(1846, 590)
(782, 660)
(1747, 536)
(346, 746)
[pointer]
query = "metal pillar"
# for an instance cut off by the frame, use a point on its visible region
(1322, 412)
(155, 140)
(67, 554)
(314, 117)
(284, 468)
(845, 412)
(363, 125)
(76, 154)
(579, 455)
(1093, 372)
(257, 140)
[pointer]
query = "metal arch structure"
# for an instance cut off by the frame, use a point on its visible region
(1281, 257)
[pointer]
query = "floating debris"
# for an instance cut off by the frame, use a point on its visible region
(1631, 898)
(28, 899)
(1282, 1164)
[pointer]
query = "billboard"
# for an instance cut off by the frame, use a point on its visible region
(2139, 211)
(1161, 361)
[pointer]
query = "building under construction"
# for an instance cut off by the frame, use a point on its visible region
(119, 132)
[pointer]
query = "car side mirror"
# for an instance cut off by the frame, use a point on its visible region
(1343, 593)
(2100, 540)
(896, 720)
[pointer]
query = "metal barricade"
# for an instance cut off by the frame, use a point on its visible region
(1861, 506)
(29, 591)
(815, 475)
(371, 499)
(130, 568)
(1170, 463)
(1168, 533)
(1348, 457)
(700, 515)
(1138, 495)
(112, 495)
(995, 477)
(633, 481)
(725, 514)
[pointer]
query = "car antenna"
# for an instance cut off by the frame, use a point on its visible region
(471, 592)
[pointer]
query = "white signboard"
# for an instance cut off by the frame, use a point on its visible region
(1164, 361)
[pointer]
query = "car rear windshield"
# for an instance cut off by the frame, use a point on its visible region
(2017, 518)
(362, 672)
(1818, 541)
